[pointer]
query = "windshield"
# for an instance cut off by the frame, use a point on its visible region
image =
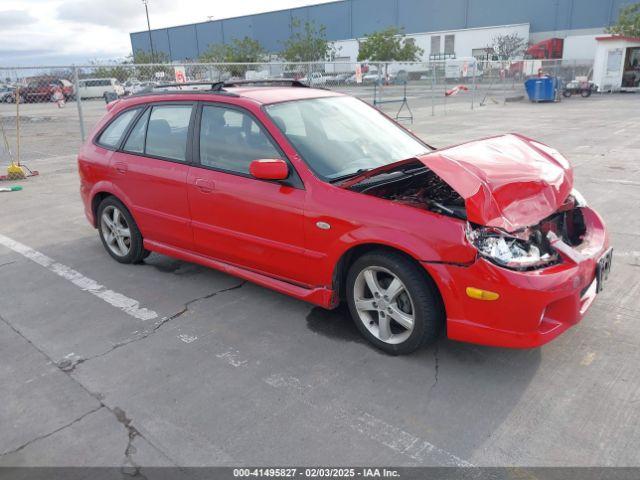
(342, 136)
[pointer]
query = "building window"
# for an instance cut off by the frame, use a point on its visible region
(484, 54)
(449, 44)
(435, 44)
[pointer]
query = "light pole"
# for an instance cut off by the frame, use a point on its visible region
(146, 9)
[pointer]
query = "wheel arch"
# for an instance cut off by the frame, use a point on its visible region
(102, 191)
(353, 253)
(96, 201)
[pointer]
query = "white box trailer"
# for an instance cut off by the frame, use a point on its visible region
(616, 66)
(462, 68)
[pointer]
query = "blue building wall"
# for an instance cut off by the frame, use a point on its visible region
(355, 18)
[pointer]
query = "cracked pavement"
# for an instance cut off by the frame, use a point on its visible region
(230, 373)
(69, 364)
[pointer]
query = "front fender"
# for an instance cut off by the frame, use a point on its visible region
(423, 249)
(405, 242)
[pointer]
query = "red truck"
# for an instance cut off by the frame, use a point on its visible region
(548, 49)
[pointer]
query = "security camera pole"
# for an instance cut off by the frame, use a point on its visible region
(146, 9)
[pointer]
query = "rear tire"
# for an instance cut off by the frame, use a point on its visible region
(119, 232)
(394, 304)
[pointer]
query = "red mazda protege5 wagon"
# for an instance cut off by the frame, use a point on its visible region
(318, 195)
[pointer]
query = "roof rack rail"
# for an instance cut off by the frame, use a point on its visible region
(217, 87)
(291, 82)
(211, 85)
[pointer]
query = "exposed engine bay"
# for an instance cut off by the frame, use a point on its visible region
(419, 187)
(525, 249)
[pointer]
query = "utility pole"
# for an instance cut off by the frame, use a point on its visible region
(146, 9)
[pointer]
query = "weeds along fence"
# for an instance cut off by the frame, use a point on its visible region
(51, 109)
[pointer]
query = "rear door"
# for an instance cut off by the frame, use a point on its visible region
(151, 169)
(237, 218)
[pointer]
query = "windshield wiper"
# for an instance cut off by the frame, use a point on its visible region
(349, 175)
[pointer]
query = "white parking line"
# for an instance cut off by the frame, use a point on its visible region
(372, 427)
(403, 442)
(118, 300)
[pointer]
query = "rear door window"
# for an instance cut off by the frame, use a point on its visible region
(110, 137)
(168, 131)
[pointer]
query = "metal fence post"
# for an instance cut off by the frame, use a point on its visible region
(473, 83)
(78, 102)
(433, 86)
(18, 125)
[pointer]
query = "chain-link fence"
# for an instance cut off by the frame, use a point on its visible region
(46, 111)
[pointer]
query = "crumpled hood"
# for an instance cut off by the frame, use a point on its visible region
(509, 181)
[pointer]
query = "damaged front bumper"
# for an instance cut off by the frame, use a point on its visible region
(533, 306)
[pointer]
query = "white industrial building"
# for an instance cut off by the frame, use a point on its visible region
(463, 43)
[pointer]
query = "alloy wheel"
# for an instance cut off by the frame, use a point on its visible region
(115, 231)
(384, 304)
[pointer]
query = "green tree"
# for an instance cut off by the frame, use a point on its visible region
(387, 46)
(307, 44)
(140, 56)
(628, 21)
(135, 65)
(145, 72)
(119, 71)
(246, 50)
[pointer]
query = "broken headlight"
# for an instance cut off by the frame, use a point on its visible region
(525, 250)
(579, 199)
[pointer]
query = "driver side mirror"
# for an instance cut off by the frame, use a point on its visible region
(269, 169)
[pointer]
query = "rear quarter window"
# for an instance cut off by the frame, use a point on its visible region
(111, 136)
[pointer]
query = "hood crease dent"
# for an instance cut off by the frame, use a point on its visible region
(507, 181)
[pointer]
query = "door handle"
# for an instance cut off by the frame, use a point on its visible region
(121, 167)
(205, 186)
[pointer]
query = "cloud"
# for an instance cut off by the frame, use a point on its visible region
(117, 14)
(75, 31)
(15, 18)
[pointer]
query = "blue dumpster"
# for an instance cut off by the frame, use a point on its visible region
(541, 89)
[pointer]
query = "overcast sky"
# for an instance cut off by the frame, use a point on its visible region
(59, 32)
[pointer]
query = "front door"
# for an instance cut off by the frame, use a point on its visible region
(236, 218)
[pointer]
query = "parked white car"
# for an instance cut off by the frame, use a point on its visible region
(98, 87)
(316, 78)
(7, 94)
(131, 88)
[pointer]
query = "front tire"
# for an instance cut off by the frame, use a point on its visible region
(394, 304)
(119, 232)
